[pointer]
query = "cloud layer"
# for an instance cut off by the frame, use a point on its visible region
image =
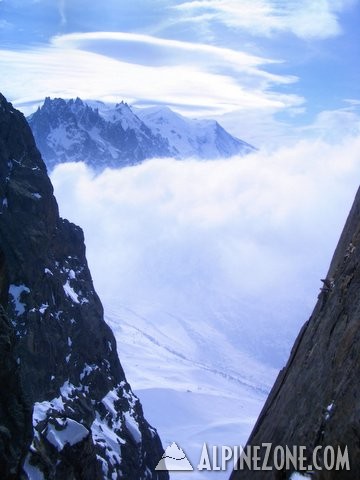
(257, 232)
(97, 65)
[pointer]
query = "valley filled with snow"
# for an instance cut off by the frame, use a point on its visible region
(207, 270)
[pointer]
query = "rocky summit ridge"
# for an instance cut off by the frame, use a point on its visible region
(315, 401)
(72, 131)
(66, 408)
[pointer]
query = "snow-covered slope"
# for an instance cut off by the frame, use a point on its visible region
(173, 360)
(191, 137)
(108, 135)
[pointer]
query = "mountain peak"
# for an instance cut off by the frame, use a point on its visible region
(78, 101)
(4, 104)
(121, 104)
(50, 103)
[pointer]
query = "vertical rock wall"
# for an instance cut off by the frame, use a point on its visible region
(86, 422)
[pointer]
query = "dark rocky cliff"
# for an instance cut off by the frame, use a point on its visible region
(58, 356)
(316, 397)
(15, 410)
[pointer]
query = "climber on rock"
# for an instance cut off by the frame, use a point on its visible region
(328, 284)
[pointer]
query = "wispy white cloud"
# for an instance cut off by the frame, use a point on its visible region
(211, 55)
(221, 78)
(235, 57)
(332, 125)
(61, 6)
(264, 129)
(5, 25)
(261, 127)
(304, 18)
(353, 102)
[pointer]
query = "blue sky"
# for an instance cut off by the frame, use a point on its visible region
(269, 70)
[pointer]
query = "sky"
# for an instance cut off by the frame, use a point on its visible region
(271, 71)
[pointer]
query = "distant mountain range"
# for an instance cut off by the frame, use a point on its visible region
(107, 135)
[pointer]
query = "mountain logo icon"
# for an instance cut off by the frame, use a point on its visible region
(174, 460)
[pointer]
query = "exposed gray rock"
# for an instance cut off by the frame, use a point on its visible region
(315, 399)
(87, 423)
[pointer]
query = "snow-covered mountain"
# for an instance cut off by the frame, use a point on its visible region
(191, 137)
(107, 135)
(71, 130)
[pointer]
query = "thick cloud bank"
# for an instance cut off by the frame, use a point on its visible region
(241, 243)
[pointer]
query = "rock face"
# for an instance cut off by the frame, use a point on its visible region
(316, 397)
(117, 136)
(58, 356)
(15, 410)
